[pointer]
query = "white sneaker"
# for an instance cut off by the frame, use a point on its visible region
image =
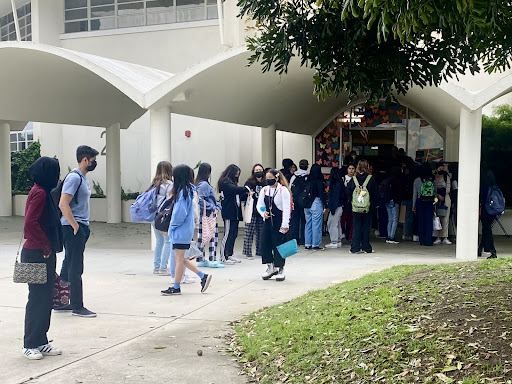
(229, 261)
(164, 272)
(447, 242)
(48, 350)
(438, 241)
(377, 233)
(185, 279)
(280, 274)
(415, 238)
(32, 353)
(271, 271)
(331, 245)
(233, 258)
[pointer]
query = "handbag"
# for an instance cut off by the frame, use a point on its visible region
(28, 273)
(61, 291)
(288, 249)
(249, 206)
(163, 217)
(437, 223)
(442, 210)
(208, 225)
(193, 251)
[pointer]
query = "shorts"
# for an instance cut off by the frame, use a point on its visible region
(181, 246)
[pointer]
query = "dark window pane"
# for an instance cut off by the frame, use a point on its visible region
(20, 11)
(23, 145)
(13, 137)
(76, 14)
(29, 29)
(161, 18)
(102, 2)
(21, 22)
(29, 19)
(4, 31)
(99, 24)
(12, 37)
(185, 3)
(213, 13)
(29, 38)
(77, 26)
(159, 5)
(3, 21)
(71, 4)
(128, 9)
(14, 147)
(10, 18)
(12, 27)
(130, 21)
(211, 2)
(28, 8)
(102, 11)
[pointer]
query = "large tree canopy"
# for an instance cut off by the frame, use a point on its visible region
(372, 48)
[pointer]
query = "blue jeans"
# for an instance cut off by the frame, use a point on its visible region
(162, 250)
(314, 218)
(392, 209)
(409, 218)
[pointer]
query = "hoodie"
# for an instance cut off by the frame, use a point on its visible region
(298, 173)
(181, 229)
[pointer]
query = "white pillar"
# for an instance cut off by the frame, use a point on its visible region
(469, 184)
(451, 150)
(114, 173)
(5, 171)
(268, 146)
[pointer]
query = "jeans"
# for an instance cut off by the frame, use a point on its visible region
(314, 219)
(392, 209)
(409, 218)
(334, 225)
(361, 232)
(162, 249)
(40, 299)
(73, 263)
(425, 212)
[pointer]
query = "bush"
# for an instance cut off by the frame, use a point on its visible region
(98, 191)
(127, 195)
(20, 164)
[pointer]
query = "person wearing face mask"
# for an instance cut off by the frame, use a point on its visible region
(297, 183)
(74, 205)
(443, 186)
(255, 184)
(274, 206)
(231, 200)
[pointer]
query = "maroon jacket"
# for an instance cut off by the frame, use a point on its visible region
(36, 221)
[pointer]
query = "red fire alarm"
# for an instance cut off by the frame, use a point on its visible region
(187, 133)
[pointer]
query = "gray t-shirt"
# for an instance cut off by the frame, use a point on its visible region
(81, 209)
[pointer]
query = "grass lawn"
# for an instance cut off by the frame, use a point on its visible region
(448, 323)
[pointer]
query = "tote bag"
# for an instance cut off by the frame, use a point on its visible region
(208, 225)
(437, 224)
(249, 206)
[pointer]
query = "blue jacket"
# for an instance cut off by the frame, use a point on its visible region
(181, 229)
(207, 195)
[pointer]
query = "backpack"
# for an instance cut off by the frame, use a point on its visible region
(145, 207)
(298, 186)
(385, 195)
(163, 217)
(495, 203)
(57, 192)
(427, 191)
(361, 196)
(305, 198)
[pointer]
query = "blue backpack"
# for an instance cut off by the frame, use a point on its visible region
(495, 203)
(145, 207)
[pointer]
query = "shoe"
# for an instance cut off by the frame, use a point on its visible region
(228, 261)
(249, 257)
(407, 238)
(493, 256)
(235, 259)
(83, 312)
(280, 274)
(205, 282)
(48, 350)
(447, 242)
(438, 241)
(372, 251)
(32, 353)
(66, 308)
(171, 291)
(317, 248)
(216, 264)
(203, 264)
(332, 245)
(185, 279)
(355, 253)
(271, 271)
(164, 272)
(307, 247)
(156, 271)
(391, 241)
(415, 238)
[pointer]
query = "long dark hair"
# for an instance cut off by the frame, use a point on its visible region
(316, 173)
(488, 178)
(182, 174)
(335, 177)
(229, 174)
(252, 179)
(203, 173)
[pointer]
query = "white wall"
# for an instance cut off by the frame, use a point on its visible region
(293, 146)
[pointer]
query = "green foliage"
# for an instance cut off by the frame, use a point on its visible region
(98, 191)
(127, 195)
(20, 164)
(370, 47)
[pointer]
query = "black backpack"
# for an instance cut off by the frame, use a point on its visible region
(305, 198)
(163, 217)
(57, 192)
(385, 195)
(298, 186)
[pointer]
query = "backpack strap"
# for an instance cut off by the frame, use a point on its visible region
(365, 184)
(356, 182)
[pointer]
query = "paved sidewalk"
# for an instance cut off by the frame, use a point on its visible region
(133, 318)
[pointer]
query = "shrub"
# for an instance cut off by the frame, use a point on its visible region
(20, 164)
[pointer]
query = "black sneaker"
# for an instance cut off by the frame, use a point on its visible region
(205, 282)
(317, 248)
(171, 291)
(66, 308)
(83, 312)
(307, 247)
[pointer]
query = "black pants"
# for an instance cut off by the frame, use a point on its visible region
(361, 232)
(298, 224)
(40, 299)
(270, 239)
(228, 241)
(73, 263)
(487, 243)
(425, 213)
(383, 220)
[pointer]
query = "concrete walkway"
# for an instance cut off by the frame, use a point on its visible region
(140, 336)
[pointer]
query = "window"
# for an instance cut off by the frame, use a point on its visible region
(94, 15)
(8, 29)
(22, 140)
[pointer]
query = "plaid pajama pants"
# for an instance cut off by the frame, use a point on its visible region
(212, 246)
(255, 226)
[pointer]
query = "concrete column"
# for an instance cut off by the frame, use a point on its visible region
(268, 146)
(114, 173)
(469, 184)
(451, 148)
(5, 171)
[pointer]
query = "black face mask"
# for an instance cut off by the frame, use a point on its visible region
(271, 182)
(258, 175)
(92, 167)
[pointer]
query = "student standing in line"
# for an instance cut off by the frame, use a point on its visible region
(314, 214)
(207, 198)
(255, 184)
(423, 203)
(75, 208)
(393, 205)
(443, 186)
(406, 183)
(346, 217)
(287, 169)
(487, 242)
(362, 220)
(231, 200)
(43, 232)
(181, 228)
(297, 183)
(274, 206)
(162, 182)
(336, 202)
